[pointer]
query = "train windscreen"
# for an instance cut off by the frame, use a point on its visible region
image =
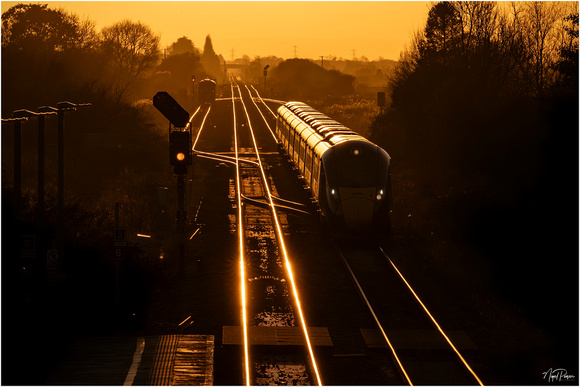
(357, 164)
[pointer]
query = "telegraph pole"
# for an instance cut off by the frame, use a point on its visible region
(17, 167)
(44, 110)
(265, 76)
(61, 108)
(18, 116)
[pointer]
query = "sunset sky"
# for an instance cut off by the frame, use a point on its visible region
(371, 28)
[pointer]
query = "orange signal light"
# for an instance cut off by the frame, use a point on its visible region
(180, 156)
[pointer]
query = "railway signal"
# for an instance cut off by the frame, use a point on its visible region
(180, 157)
(172, 110)
(180, 151)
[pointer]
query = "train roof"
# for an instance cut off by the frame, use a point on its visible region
(298, 113)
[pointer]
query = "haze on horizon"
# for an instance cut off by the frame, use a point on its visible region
(305, 29)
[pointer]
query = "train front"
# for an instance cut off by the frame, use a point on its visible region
(358, 189)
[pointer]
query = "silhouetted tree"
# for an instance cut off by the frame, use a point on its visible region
(567, 64)
(28, 27)
(131, 49)
(540, 30)
(183, 45)
(302, 78)
(442, 34)
(45, 52)
(210, 60)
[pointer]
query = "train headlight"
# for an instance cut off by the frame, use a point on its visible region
(380, 194)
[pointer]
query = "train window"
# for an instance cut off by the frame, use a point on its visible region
(308, 159)
(291, 142)
(296, 148)
(302, 149)
(279, 126)
(315, 166)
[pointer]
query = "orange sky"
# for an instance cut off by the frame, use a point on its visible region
(372, 28)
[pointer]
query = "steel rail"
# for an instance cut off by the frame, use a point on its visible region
(283, 248)
(375, 317)
(265, 204)
(275, 101)
(435, 323)
(223, 158)
(189, 122)
(201, 127)
(264, 118)
(241, 247)
(262, 100)
(290, 202)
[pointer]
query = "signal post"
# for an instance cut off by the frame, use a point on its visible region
(180, 157)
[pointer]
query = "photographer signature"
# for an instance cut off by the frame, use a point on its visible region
(557, 375)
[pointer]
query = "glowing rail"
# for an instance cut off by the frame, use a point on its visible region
(283, 248)
(268, 107)
(264, 118)
(434, 321)
(363, 295)
(242, 263)
(202, 125)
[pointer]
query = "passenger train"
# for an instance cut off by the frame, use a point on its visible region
(206, 90)
(349, 176)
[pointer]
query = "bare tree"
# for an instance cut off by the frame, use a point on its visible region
(132, 49)
(541, 36)
(478, 25)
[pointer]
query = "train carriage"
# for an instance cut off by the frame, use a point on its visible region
(206, 90)
(348, 175)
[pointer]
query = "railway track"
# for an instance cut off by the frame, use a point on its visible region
(405, 339)
(269, 297)
(266, 274)
(424, 352)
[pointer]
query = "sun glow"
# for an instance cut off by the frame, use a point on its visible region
(308, 29)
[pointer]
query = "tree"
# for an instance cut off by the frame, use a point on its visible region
(540, 19)
(35, 27)
(567, 64)
(132, 49)
(442, 33)
(183, 45)
(46, 54)
(210, 60)
(302, 78)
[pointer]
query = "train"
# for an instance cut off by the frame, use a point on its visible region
(206, 90)
(349, 176)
